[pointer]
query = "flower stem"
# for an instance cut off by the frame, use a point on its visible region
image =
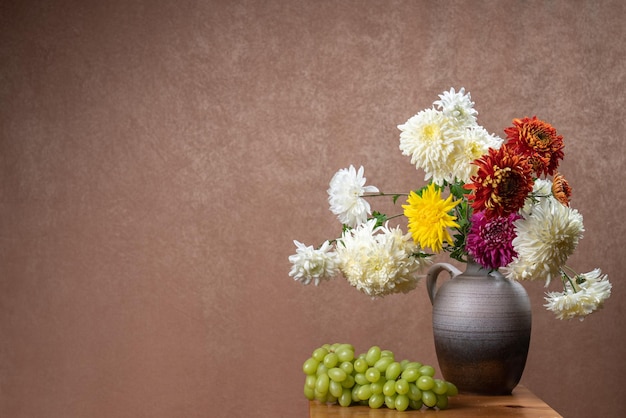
(384, 194)
(567, 279)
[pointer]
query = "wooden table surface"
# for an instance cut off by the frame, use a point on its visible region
(522, 403)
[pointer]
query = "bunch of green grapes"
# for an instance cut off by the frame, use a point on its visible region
(334, 374)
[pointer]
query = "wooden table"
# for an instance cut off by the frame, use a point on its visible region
(522, 403)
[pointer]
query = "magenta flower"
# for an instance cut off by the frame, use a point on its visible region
(490, 240)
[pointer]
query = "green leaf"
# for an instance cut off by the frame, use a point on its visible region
(457, 190)
(381, 218)
(421, 255)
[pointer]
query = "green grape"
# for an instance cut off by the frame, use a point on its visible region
(452, 389)
(414, 394)
(402, 386)
(410, 374)
(373, 355)
(309, 393)
(310, 366)
(393, 371)
(377, 387)
(372, 374)
(440, 388)
(347, 367)
(387, 353)
(360, 379)
(425, 383)
(310, 381)
(412, 365)
(331, 360)
(427, 371)
(346, 397)
(345, 346)
(337, 374)
(319, 354)
(321, 369)
(389, 388)
(322, 397)
(382, 364)
(322, 383)
(415, 404)
(349, 382)
(374, 378)
(360, 365)
(355, 393)
(429, 398)
(376, 400)
(345, 354)
(442, 402)
(335, 388)
(365, 392)
(402, 402)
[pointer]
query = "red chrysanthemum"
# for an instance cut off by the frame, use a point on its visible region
(538, 142)
(490, 241)
(502, 183)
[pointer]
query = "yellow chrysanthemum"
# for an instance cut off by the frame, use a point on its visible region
(429, 218)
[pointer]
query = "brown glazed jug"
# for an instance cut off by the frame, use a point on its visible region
(481, 326)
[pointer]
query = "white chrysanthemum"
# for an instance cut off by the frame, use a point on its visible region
(428, 139)
(313, 264)
(471, 144)
(545, 239)
(542, 190)
(379, 261)
(593, 290)
(344, 195)
(458, 106)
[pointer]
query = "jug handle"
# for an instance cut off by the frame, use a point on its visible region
(433, 274)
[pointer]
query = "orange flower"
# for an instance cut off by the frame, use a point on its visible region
(538, 141)
(502, 182)
(561, 189)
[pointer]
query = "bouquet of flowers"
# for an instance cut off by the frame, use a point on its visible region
(502, 204)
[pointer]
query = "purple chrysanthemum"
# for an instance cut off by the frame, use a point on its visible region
(490, 240)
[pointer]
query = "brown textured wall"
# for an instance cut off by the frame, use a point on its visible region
(157, 159)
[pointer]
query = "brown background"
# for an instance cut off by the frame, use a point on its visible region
(158, 158)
